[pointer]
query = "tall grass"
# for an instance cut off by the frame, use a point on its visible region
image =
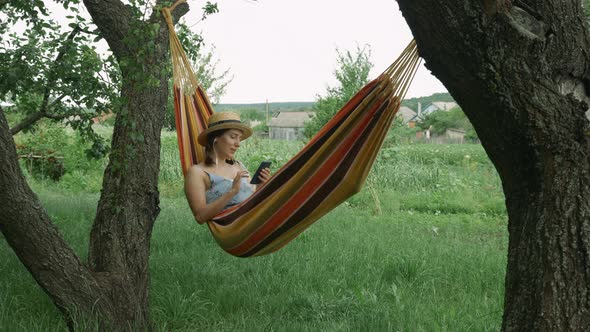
(433, 260)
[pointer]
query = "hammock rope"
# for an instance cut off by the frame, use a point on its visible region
(332, 167)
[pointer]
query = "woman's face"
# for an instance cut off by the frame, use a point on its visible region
(228, 143)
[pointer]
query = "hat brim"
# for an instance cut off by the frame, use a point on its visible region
(246, 131)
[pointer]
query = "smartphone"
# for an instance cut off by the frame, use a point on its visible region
(263, 165)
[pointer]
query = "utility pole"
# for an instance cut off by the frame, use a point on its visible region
(269, 134)
(267, 112)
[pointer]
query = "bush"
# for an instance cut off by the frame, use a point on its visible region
(440, 121)
(43, 166)
(399, 133)
(40, 150)
(52, 150)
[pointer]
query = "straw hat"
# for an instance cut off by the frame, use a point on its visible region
(224, 120)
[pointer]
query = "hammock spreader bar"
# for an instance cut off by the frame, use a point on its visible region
(332, 167)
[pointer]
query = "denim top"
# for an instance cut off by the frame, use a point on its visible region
(221, 185)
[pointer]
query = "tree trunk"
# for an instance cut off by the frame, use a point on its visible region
(114, 289)
(519, 70)
(39, 246)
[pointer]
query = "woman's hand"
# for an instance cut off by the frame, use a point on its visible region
(264, 175)
(238, 181)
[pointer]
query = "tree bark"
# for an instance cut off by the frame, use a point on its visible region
(520, 71)
(37, 243)
(129, 204)
(114, 289)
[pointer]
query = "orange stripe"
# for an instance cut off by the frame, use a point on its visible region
(339, 193)
(345, 111)
(240, 223)
(314, 183)
(179, 128)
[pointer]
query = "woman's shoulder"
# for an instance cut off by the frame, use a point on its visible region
(197, 175)
(197, 170)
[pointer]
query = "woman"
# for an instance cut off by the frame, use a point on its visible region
(220, 181)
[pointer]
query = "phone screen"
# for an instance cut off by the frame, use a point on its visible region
(263, 165)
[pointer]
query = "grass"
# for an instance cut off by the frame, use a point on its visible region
(433, 259)
(351, 271)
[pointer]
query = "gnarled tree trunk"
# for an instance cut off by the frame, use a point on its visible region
(114, 288)
(520, 71)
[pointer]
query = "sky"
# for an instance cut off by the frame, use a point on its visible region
(285, 50)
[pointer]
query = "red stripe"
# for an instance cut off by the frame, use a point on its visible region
(296, 201)
(343, 174)
(346, 109)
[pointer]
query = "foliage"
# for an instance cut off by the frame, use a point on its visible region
(40, 156)
(261, 128)
(54, 152)
(399, 133)
(59, 74)
(427, 100)
(439, 121)
(352, 75)
(54, 72)
(252, 116)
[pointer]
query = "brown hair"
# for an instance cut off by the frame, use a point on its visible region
(209, 147)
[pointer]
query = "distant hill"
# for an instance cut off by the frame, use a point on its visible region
(425, 101)
(308, 105)
(261, 107)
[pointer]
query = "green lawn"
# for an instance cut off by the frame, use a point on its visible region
(421, 248)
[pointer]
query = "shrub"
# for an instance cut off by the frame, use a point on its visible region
(40, 150)
(51, 150)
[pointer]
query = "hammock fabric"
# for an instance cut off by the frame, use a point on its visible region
(332, 167)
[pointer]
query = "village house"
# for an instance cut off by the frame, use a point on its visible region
(439, 106)
(407, 114)
(288, 125)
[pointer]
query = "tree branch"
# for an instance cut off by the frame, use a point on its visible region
(52, 77)
(49, 85)
(178, 10)
(89, 32)
(31, 119)
(27, 122)
(113, 19)
(56, 101)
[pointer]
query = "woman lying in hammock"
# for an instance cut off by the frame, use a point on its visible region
(220, 181)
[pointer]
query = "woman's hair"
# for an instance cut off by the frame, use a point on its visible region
(209, 148)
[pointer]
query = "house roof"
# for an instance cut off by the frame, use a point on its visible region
(406, 113)
(290, 119)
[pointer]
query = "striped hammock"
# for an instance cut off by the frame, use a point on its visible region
(332, 167)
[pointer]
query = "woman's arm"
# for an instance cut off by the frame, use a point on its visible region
(195, 188)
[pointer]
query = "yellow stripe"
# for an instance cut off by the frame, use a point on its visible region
(392, 84)
(232, 235)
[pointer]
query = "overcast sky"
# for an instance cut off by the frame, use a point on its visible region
(285, 50)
